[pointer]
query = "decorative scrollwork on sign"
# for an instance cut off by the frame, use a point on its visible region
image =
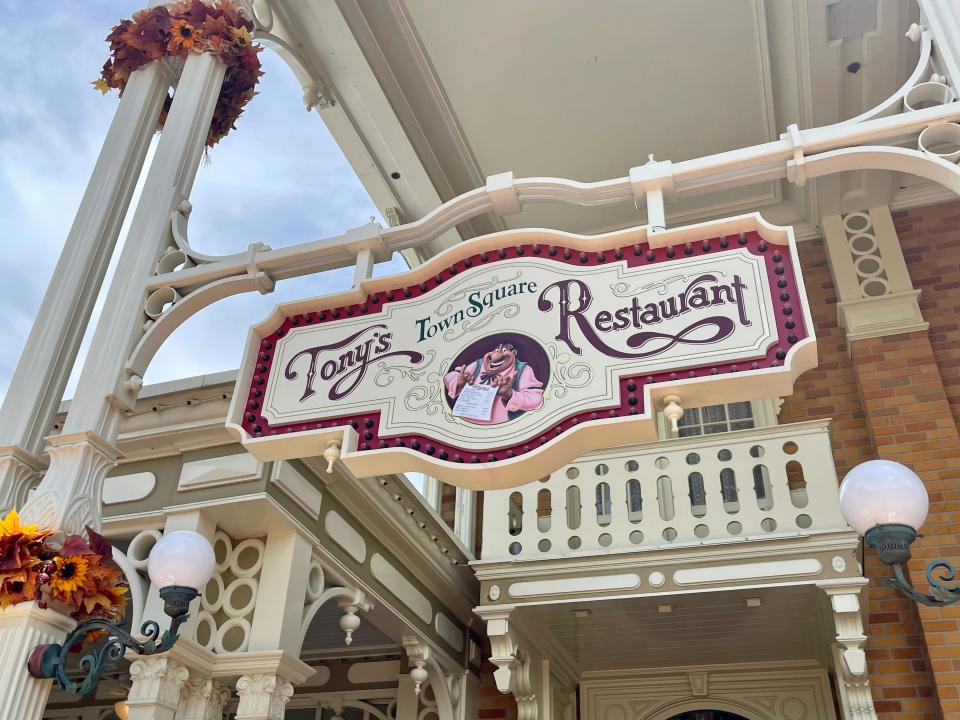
(568, 375)
(461, 329)
(428, 398)
(386, 374)
(625, 289)
(447, 306)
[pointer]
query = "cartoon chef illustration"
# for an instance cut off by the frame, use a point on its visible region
(518, 389)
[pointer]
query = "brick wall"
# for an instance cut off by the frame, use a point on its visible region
(840, 388)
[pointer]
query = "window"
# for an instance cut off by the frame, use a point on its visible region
(716, 419)
(712, 419)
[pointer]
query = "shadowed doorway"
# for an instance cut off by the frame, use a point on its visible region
(708, 715)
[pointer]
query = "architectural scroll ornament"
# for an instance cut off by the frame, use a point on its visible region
(86, 458)
(849, 658)
(156, 681)
(514, 673)
(202, 700)
(350, 600)
(263, 697)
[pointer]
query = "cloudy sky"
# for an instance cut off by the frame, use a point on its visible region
(279, 179)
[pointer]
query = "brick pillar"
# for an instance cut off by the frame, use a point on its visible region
(910, 421)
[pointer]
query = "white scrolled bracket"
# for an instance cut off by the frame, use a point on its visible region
(423, 668)
(179, 220)
(893, 104)
(138, 588)
(913, 162)
(514, 673)
(179, 312)
(316, 94)
(350, 600)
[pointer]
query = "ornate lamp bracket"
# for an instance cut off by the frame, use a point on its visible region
(50, 661)
(893, 548)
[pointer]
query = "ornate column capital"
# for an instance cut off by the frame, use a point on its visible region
(202, 699)
(156, 681)
(69, 497)
(18, 470)
(262, 697)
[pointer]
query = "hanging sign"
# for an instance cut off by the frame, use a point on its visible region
(506, 356)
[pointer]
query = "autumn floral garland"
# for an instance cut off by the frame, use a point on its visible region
(77, 575)
(189, 26)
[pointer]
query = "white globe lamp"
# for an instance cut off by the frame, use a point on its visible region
(887, 503)
(883, 492)
(180, 565)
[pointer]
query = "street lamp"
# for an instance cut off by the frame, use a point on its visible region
(887, 503)
(180, 565)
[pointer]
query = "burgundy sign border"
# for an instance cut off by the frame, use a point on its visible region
(786, 300)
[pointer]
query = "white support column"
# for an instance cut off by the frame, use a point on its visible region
(103, 389)
(22, 628)
(850, 661)
(156, 684)
(262, 697)
(283, 586)
(46, 361)
(202, 699)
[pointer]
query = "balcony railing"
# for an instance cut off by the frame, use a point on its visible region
(726, 488)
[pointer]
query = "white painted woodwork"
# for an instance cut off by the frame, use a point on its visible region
(344, 535)
(23, 627)
(282, 588)
(156, 683)
(405, 591)
(67, 494)
(384, 671)
(770, 691)
(298, 488)
(224, 470)
(574, 586)
(127, 488)
(723, 574)
(667, 518)
(446, 628)
(169, 180)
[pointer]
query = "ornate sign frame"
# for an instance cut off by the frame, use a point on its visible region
(595, 332)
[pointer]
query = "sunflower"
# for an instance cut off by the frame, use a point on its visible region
(182, 35)
(241, 37)
(71, 574)
(10, 525)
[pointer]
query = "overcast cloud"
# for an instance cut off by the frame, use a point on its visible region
(279, 179)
